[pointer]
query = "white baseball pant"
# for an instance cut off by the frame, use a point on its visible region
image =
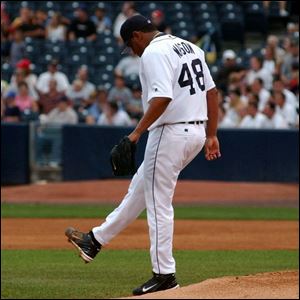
(169, 149)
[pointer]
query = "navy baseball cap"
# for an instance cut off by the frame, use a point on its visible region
(134, 23)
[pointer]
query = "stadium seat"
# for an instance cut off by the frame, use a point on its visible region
(255, 18)
(232, 26)
(6, 71)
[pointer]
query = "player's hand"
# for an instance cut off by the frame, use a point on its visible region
(134, 137)
(212, 148)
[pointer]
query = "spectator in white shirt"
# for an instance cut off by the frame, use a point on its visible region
(254, 119)
(224, 121)
(113, 116)
(52, 73)
(257, 88)
(56, 30)
(128, 10)
(88, 88)
(234, 106)
(257, 71)
(278, 86)
(274, 120)
(287, 110)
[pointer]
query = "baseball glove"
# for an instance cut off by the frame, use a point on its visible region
(122, 157)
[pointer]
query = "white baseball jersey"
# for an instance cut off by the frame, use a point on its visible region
(175, 68)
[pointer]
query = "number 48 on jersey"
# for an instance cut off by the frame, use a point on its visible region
(197, 70)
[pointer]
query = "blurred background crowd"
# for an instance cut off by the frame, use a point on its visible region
(61, 62)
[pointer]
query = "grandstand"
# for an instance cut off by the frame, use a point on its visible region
(228, 21)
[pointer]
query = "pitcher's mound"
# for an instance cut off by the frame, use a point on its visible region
(274, 285)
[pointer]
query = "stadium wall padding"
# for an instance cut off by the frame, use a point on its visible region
(247, 155)
(14, 153)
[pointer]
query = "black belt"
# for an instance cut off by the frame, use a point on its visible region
(192, 122)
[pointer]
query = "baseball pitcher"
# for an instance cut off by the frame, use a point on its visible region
(180, 112)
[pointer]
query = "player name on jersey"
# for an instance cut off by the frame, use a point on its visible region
(182, 49)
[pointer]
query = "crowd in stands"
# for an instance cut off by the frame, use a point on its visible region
(262, 92)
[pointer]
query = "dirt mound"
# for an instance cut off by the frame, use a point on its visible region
(274, 285)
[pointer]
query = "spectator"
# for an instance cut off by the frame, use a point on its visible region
(12, 112)
(4, 86)
(234, 106)
(99, 106)
(278, 86)
(291, 57)
(134, 107)
(24, 18)
(43, 81)
(228, 68)
(34, 28)
(282, 8)
(270, 60)
(257, 88)
(158, 20)
(274, 119)
(17, 48)
(82, 26)
(128, 65)
(119, 92)
(256, 71)
(49, 100)
(292, 29)
(23, 99)
(225, 121)
(56, 30)
(61, 114)
(20, 76)
(88, 88)
(287, 110)
(5, 20)
(128, 10)
(293, 84)
(101, 21)
(114, 116)
(25, 65)
(41, 17)
(253, 119)
(76, 94)
(273, 44)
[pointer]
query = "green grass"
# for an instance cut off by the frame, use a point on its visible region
(41, 274)
(181, 212)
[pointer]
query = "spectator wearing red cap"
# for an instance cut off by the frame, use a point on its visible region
(158, 20)
(22, 73)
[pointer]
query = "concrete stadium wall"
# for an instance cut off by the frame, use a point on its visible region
(247, 155)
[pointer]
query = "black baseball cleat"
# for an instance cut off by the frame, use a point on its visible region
(158, 282)
(86, 243)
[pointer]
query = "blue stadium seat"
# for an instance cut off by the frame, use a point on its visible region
(256, 19)
(6, 71)
(232, 26)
